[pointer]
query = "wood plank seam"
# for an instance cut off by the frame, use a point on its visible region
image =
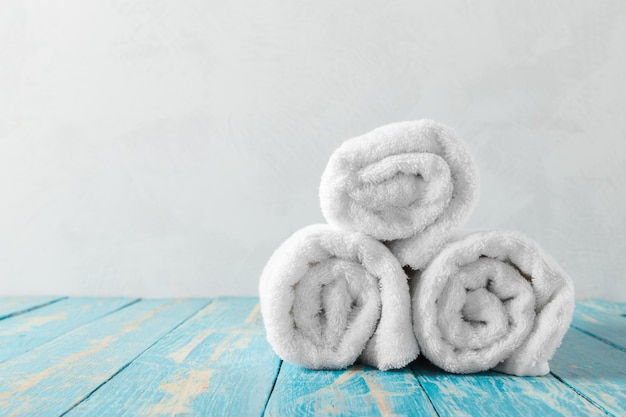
(280, 366)
(419, 381)
(594, 387)
(132, 360)
(582, 394)
(608, 342)
(452, 394)
(26, 310)
(176, 377)
(81, 325)
(99, 386)
(593, 369)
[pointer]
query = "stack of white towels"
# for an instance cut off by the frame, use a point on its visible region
(392, 275)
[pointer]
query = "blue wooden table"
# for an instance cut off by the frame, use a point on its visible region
(122, 356)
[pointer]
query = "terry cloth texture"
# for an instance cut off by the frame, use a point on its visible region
(329, 297)
(492, 299)
(410, 184)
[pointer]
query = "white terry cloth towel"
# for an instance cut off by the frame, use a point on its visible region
(492, 299)
(412, 183)
(329, 297)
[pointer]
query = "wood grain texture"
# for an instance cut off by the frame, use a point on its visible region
(607, 323)
(357, 391)
(23, 332)
(10, 306)
(217, 363)
(202, 357)
(51, 379)
(594, 369)
(493, 393)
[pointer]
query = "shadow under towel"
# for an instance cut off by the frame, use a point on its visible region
(411, 184)
(329, 297)
(492, 299)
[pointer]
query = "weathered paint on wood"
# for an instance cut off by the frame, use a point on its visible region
(140, 360)
(52, 378)
(23, 332)
(493, 393)
(606, 323)
(217, 363)
(594, 369)
(357, 391)
(10, 306)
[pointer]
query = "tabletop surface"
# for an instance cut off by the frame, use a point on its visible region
(64, 356)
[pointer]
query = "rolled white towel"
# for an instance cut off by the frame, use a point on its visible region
(492, 299)
(329, 297)
(409, 183)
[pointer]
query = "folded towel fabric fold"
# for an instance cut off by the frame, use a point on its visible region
(329, 297)
(409, 183)
(492, 299)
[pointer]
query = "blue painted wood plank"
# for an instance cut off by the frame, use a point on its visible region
(594, 369)
(604, 322)
(217, 363)
(192, 370)
(21, 333)
(493, 393)
(357, 391)
(52, 378)
(10, 306)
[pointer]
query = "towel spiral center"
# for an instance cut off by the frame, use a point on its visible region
(404, 192)
(333, 296)
(487, 303)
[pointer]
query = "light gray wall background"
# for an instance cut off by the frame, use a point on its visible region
(162, 148)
